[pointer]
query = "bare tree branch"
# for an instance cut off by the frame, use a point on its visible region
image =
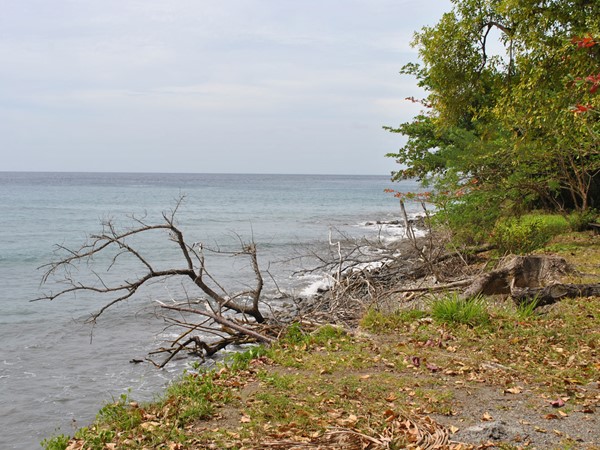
(118, 244)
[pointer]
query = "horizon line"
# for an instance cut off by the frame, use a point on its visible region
(192, 173)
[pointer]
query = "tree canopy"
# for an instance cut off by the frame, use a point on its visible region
(511, 116)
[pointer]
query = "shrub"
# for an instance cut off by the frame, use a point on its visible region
(580, 220)
(527, 233)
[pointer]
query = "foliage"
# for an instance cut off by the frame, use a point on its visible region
(241, 360)
(404, 373)
(526, 310)
(58, 442)
(295, 335)
(510, 118)
(527, 233)
(580, 220)
(398, 368)
(454, 309)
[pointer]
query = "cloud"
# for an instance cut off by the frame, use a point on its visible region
(146, 80)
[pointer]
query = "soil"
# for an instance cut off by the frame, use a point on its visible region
(484, 413)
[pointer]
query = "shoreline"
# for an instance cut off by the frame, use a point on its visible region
(324, 359)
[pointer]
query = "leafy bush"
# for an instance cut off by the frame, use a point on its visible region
(469, 220)
(580, 220)
(527, 233)
(454, 309)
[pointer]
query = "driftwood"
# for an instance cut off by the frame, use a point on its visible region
(232, 317)
(550, 294)
(526, 278)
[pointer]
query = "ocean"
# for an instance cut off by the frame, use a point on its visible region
(56, 370)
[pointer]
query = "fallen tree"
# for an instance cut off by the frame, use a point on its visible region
(530, 278)
(230, 317)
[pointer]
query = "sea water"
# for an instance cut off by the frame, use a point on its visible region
(56, 370)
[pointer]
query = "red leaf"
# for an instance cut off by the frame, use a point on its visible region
(433, 367)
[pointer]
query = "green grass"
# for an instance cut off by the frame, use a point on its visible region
(408, 361)
(58, 442)
(379, 322)
(240, 360)
(453, 309)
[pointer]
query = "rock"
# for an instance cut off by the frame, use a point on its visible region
(488, 431)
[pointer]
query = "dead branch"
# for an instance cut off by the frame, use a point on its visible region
(113, 246)
(550, 294)
(218, 318)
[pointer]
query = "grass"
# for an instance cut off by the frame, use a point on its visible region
(408, 362)
(452, 309)
(314, 380)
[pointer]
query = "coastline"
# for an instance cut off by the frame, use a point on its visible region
(394, 379)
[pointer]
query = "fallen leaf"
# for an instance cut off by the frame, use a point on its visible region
(559, 402)
(416, 361)
(245, 419)
(514, 390)
(349, 422)
(76, 445)
(365, 377)
(551, 417)
(175, 446)
(149, 425)
(487, 417)
(453, 429)
(433, 367)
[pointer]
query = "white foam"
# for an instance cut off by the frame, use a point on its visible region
(320, 282)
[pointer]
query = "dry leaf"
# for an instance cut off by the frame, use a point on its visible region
(149, 425)
(349, 422)
(514, 390)
(433, 367)
(487, 417)
(75, 445)
(245, 419)
(559, 402)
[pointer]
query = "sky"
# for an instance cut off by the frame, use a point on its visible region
(229, 86)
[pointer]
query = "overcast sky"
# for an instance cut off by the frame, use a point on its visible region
(234, 86)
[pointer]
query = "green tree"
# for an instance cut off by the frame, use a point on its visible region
(508, 119)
